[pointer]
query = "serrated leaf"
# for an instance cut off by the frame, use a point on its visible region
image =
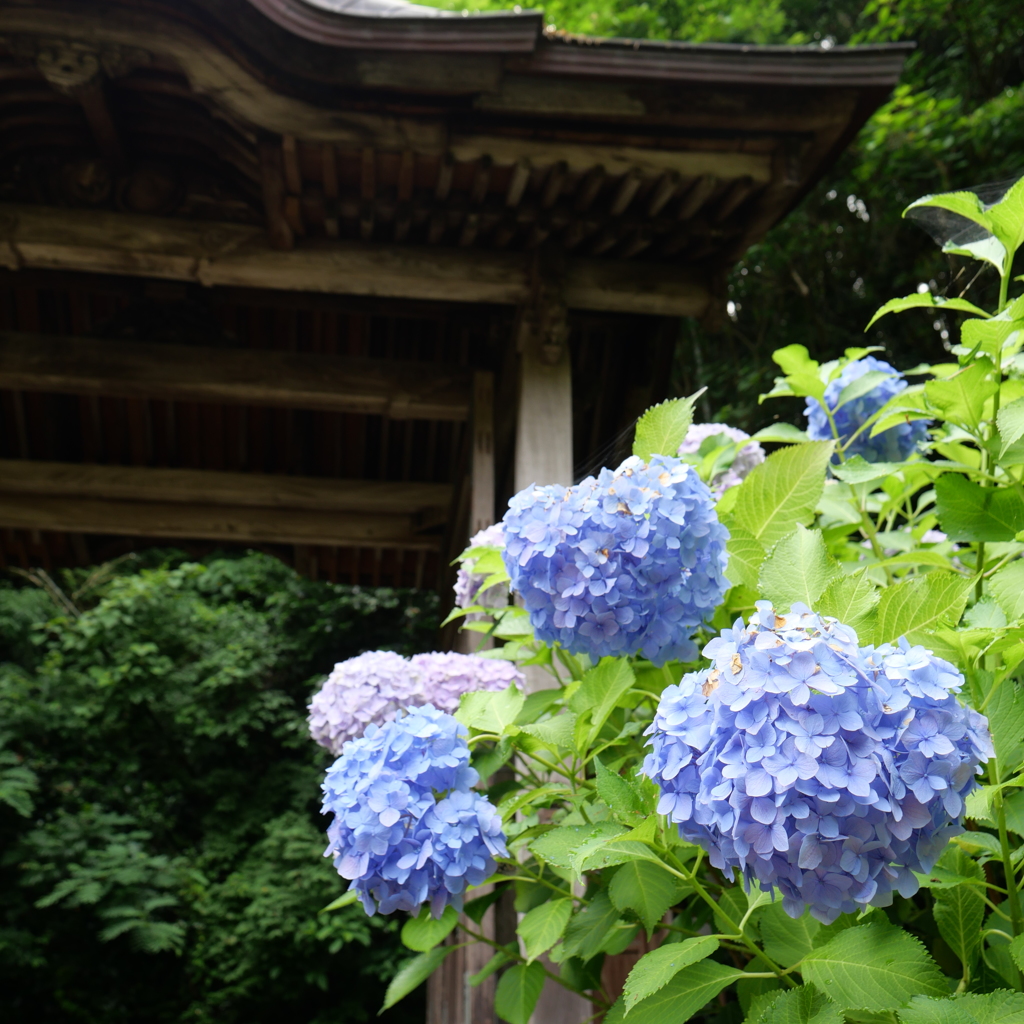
(873, 967)
(423, 932)
(795, 359)
(781, 433)
(1017, 951)
(859, 471)
(1005, 710)
(745, 557)
(656, 969)
(618, 793)
(600, 691)
(782, 491)
(614, 851)
(803, 1005)
(557, 733)
(542, 927)
(861, 386)
(647, 889)
(970, 512)
(787, 940)
(518, 992)
(852, 600)
(962, 397)
(1000, 1007)
(799, 568)
(1007, 587)
(959, 913)
(559, 845)
(926, 1010)
(915, 606)
(490, 711)
(692, 988)
(662, 429)
(1007, 218)
(926, 301)
(587, 931)
(413, 973)
(1010, 420)
(904, 407)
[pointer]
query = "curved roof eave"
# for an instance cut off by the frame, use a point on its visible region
(401, 25)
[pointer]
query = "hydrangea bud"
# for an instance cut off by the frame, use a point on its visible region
(374, 687)
(630, 561)
(468, 581)
(892, 445)
(747, 457)
(408, 828)
(828, 771)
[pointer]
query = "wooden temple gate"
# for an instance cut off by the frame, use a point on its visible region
(335, 279)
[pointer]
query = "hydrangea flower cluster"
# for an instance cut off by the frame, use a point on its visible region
(829, 771)
(408, 827)
(468, 582)
(374, 687)
(892, 445)
(747, 457)
(631, 561)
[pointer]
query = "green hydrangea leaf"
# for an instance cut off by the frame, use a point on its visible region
(799, 568)
(692, 988)
(803, 1005)
(647, 889)
(661, 430)
(414, 972)
(915, 606)
(787, 940)
(656, 969)
(873, 967)
(781, 492)
(423, 932)
(970, 512)
(925, 1010)
(542, 927)
(925, 301)
(518, 992)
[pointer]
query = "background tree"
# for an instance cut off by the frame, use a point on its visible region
(159, 814)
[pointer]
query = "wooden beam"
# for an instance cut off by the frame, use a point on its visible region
(205, 487)
(241, 255)
(298, 380)
(232, 524)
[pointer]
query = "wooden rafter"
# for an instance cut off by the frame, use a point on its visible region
(241, 255)
(235, 507)
(298, 380)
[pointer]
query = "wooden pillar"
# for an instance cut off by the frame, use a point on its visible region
(544, 455)
(481, 512)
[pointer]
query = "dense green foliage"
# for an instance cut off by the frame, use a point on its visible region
(956, 119)
(836, 536)
(159, 820)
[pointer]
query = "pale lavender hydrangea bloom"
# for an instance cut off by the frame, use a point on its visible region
(374, 687)
(468, 582)
(747, 457)
(445, 676)
(829, 771)
(408, 828)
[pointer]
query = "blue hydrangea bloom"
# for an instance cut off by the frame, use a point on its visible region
(408, 828)
(828, 771)
(892, 445)
(632, 561)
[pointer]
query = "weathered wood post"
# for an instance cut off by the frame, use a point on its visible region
(544, 455)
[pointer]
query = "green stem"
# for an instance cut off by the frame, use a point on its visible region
(979, 571)
(776, 970)
(872, 535)
(1012, 893)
